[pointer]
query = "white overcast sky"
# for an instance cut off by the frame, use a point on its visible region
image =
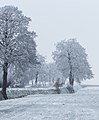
(55, 20)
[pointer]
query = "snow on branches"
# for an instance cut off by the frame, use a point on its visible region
(71, 60)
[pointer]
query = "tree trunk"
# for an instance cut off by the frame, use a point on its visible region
(36, 78)
(71, 82)
(71, 79)
(71, 76)
(5, 72)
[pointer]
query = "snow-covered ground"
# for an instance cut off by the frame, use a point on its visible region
(83, 105)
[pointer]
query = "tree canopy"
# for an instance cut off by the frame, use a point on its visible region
(17, 45)
(71, 60)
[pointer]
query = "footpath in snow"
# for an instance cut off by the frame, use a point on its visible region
(83, 105)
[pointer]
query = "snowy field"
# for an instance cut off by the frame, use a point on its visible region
(83, 105)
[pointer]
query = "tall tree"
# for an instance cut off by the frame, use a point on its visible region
(71, 60)
(17, 44)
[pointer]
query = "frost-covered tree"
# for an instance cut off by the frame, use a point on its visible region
(38, 68)
(48, 74)
(28, 73)
(43, 73)
(71, 60)
(53, 73)
(17, 44)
